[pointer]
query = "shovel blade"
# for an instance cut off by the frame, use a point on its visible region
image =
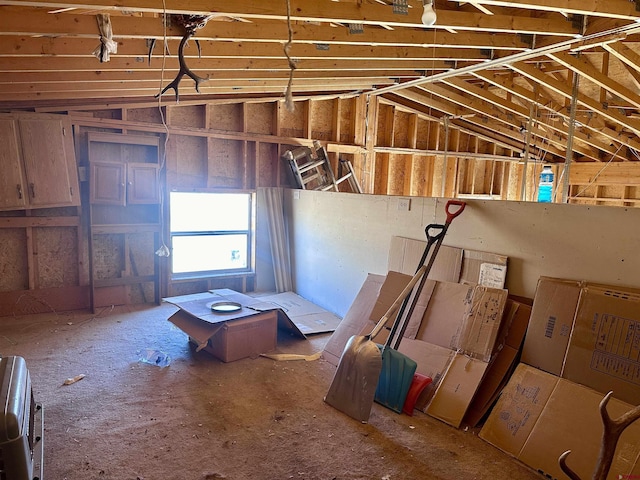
(395, 379)
(354, 384)
(418, 384)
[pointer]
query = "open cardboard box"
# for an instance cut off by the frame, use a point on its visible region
(587, 333)
(539, 416)
(250, 331)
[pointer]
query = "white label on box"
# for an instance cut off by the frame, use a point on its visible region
(492, 275)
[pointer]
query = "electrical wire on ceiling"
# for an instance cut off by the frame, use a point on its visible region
(288, 95)
(164, 250)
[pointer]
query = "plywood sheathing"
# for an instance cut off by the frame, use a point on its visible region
(322, 119)
(226, 163)
(260, 118)
(57, 250)
(190, 155)
(14, 273)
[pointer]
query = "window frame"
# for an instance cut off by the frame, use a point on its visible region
(251, 237)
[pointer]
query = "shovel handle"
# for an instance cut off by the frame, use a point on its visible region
(398, 301)
(451, 214)
(433, 235)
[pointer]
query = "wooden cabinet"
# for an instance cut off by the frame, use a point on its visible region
(38, 157)
(117, 183)
(12, 182)
(125, 223)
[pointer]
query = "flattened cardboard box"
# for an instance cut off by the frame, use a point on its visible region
(356, 319)
(604, 351)
(552, 315)
(587, 333)
(405, 254)
(539, 416)
(451, 265)
(455, 331)
(503, 360)
(231, 336)
(309, 317)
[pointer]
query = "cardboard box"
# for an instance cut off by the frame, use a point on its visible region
(604, 350)
(587, 333)
(503, 360)
(451, 336)
(356, 319)
(245, 337)
(552, 315)
(405, 254)
(539, 416)
(230, 336)
(456, 389)
(451, 265)
(309, 317)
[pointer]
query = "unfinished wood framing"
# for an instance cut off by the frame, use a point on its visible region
(396, 146)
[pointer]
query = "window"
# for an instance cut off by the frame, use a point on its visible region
(211, 233)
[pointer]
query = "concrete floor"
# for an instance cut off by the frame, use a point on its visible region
(200, 418)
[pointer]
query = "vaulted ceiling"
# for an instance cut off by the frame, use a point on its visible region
(509, 70)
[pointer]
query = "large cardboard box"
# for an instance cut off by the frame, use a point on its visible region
(539, 416)
(604, 351)
(244, 337)
(552, 315)
(587, 333)
(229, 336)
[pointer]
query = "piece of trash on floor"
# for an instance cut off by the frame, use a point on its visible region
(154, 357)
(75, 379)
(286, 357)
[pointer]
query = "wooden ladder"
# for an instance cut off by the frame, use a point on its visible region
(311, 169)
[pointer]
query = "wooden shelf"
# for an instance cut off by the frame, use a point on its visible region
(98, 229)
(124, 193)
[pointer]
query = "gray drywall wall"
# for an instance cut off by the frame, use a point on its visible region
(338, 238)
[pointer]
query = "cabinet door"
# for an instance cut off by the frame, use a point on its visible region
(107, 183)
(49, 160)
(142, 183)
(12, 185)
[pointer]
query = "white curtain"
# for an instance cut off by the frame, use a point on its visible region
(272, 200)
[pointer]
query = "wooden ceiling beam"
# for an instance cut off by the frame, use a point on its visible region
(521, 111)
(37, 22)
(78, 78)
(625, 54)
(422, 111)
(622, 9)
(319, 11)
(131, 92)
(565, 90)
(545, 103)
(586, 70)
(139, 48)
(507, 124)
(210, 66)
(153, 86)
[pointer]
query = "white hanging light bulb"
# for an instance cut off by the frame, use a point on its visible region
(429, 14)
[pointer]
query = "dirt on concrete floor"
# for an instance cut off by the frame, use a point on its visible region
(202, 419)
